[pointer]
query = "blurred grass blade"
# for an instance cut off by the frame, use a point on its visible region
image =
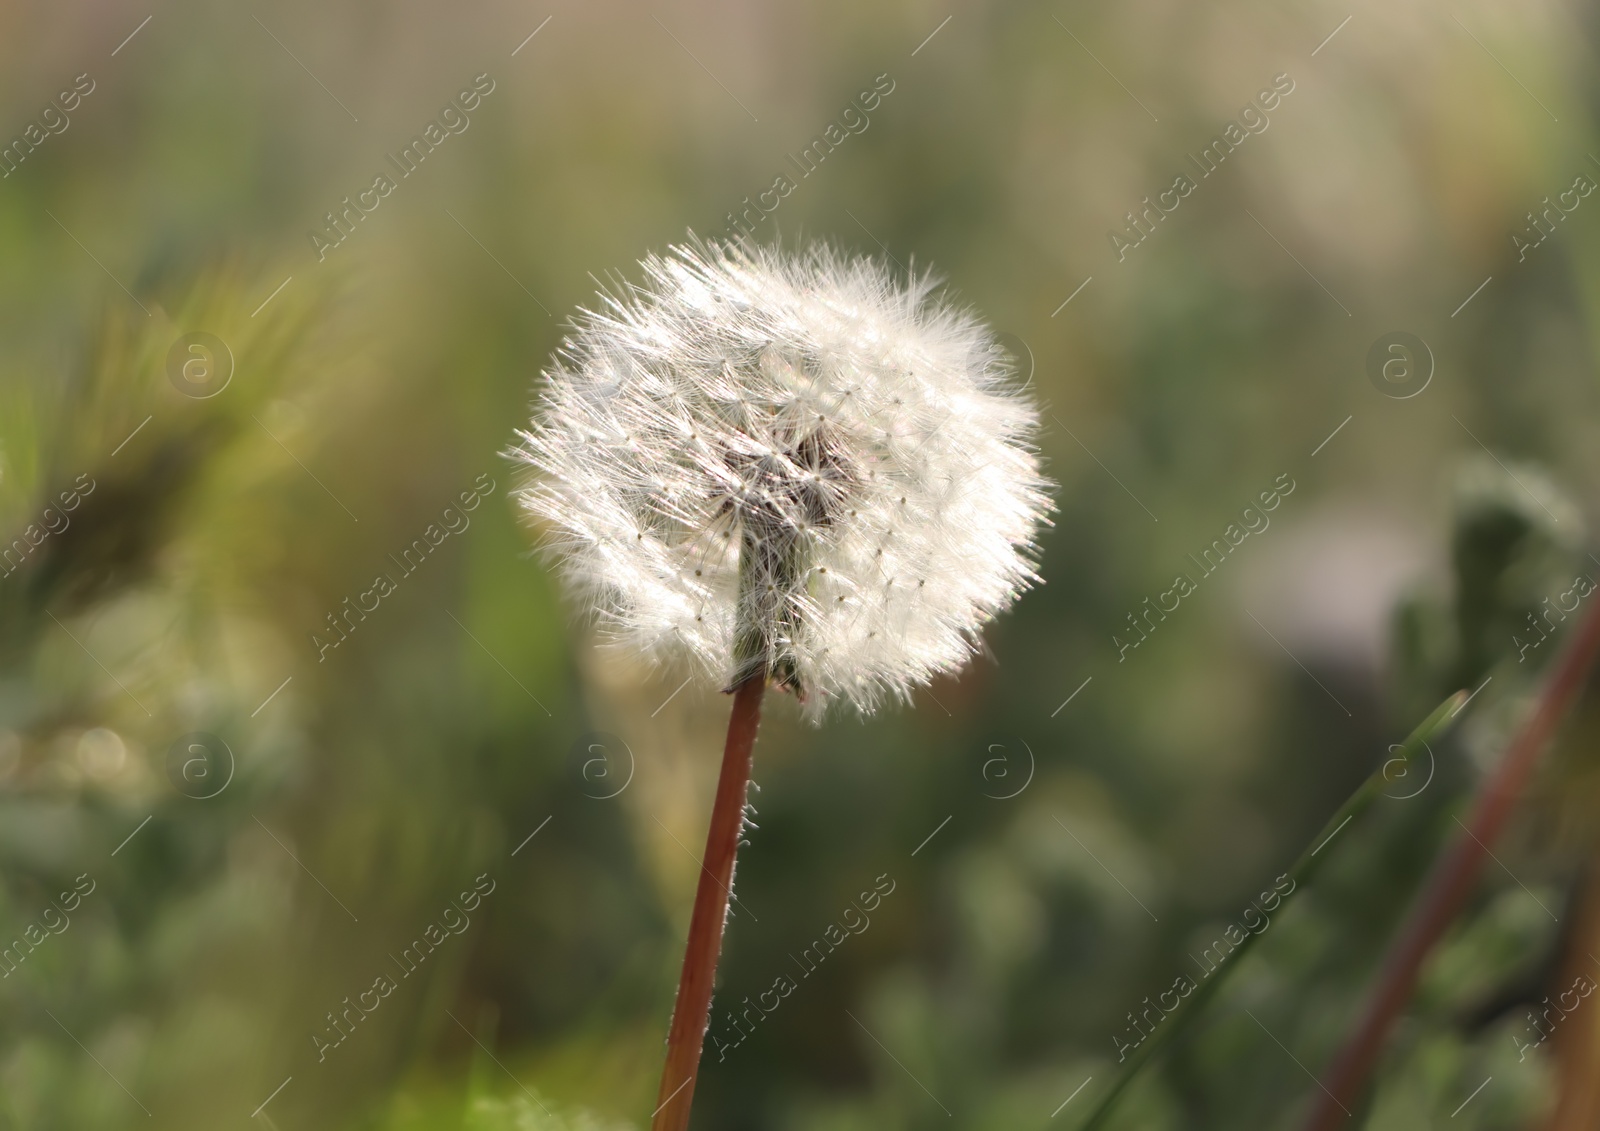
(1301, 873)
(1456, 871)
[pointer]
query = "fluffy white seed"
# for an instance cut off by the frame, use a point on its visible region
(854, 440)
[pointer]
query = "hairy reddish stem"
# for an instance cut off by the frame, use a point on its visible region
(693, 1008)
(1452, 879)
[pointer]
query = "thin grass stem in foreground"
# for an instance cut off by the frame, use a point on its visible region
(1453, 878)
(1304, 868)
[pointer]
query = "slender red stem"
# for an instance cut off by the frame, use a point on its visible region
(693, 1008)
(1453, 878)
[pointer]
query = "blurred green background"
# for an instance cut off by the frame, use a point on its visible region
(1052, 862)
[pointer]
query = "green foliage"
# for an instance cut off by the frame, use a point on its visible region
(374, 780)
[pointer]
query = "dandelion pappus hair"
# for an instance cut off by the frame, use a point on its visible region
(787, 464)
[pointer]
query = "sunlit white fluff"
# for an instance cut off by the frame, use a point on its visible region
(859, 440)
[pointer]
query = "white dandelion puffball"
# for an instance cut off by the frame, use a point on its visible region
(790, 465)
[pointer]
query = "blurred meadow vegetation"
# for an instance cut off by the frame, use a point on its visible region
(225, 937)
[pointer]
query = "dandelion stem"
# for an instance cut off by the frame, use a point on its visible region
(1453, 878)
(693, 1008)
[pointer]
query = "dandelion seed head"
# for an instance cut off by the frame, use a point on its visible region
(795, 464)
